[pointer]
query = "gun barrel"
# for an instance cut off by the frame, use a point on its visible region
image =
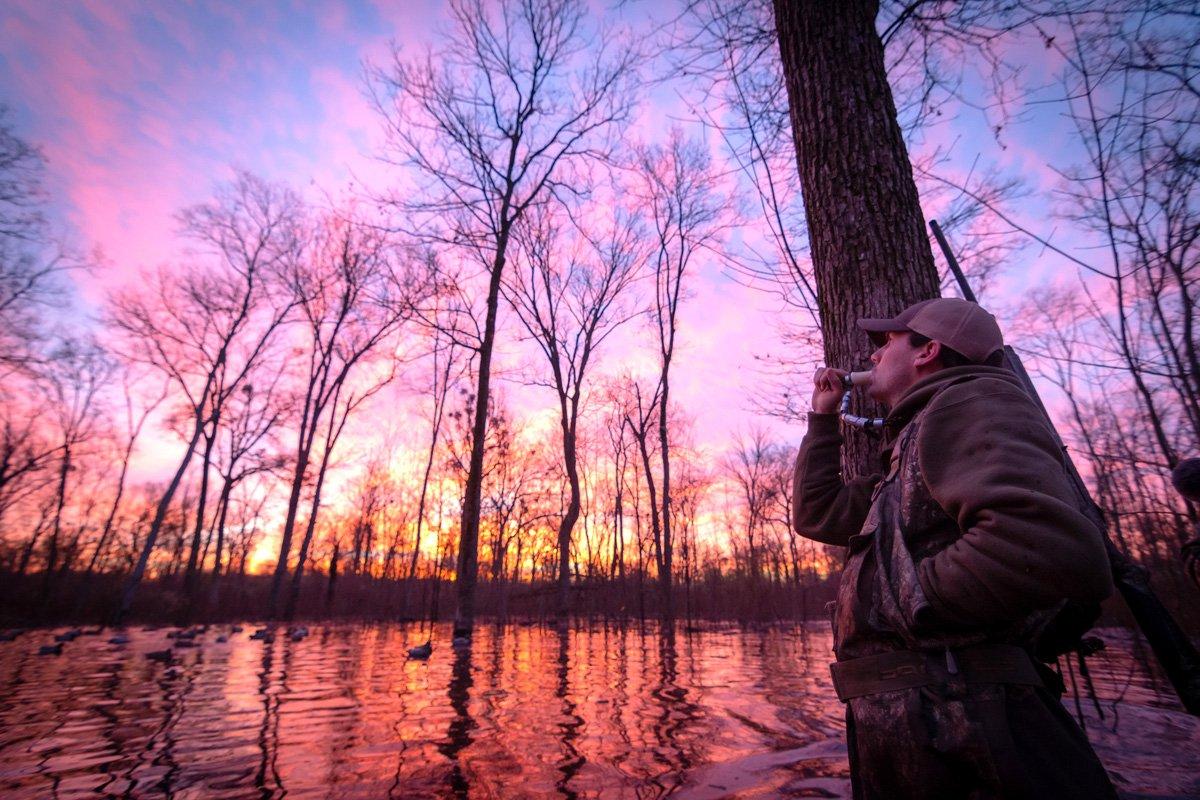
(959, 275)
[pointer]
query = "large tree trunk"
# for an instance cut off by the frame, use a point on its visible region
(567, 524)
(665, 578)
(871, 255)
(468, 546)
(289, 525)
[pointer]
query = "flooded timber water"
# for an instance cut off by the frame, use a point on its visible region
(527, 711)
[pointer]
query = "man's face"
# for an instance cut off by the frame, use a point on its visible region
(895, 368)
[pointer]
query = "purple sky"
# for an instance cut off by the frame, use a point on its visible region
(143, 108)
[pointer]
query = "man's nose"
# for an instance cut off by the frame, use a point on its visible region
(875, 356)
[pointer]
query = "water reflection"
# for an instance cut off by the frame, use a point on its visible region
(266, 777)
(571, 761)
(605, 710)
(458, 736)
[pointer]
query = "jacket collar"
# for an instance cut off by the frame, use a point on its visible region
(921, 392)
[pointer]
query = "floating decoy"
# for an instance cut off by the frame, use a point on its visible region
(163, 656)
(50, 649)
(120, 638)
(92, 631)
(185, 643)
(460, 642)
(261, 633)
(297, 633)
(8, 636)
(236, 629)
(222, 639)
(421, 651)
(69, 636)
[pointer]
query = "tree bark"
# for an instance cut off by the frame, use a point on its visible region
(567, 524)
(665, 577)
(468, 547)
(871, 255)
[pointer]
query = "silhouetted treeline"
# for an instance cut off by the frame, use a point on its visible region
(335, 408)
(162, 600)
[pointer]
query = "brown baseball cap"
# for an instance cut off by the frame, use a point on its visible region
(958, 324)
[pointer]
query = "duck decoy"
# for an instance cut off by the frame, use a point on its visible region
(50, 649)
(421, 652)
(120, 638)
(162, 656)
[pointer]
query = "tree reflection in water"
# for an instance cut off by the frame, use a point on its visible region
(594, 710)
(268, 731)
(571, 761)
(458, 735)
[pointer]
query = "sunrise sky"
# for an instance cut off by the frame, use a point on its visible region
(144, 108)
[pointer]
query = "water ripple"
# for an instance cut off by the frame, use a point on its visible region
(594, 711)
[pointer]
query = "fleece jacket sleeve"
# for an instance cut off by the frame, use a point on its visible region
(823, 507)
(991, 461)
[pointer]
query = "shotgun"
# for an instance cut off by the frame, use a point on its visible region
(1171, 646)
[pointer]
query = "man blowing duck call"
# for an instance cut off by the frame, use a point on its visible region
(958, 555)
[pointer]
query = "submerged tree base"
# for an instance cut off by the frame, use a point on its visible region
(76, 598)
(79, 598)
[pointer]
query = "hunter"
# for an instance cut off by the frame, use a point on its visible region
(959, 553)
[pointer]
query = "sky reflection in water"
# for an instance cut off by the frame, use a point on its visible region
(612, 711)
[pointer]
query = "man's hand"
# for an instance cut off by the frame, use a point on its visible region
(827, 389)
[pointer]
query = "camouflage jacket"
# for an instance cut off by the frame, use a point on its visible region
(970, 535)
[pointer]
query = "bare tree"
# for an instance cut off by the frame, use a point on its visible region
(567, 291)
(637, 409)
(677, 193)
(447, 369)
(134, 422)
(345, 400)
(25, 452)
(73, 379)
(206, 326)
(30, 264)
(754, 467)
(249, 446)
(499, 120)
(349, 308)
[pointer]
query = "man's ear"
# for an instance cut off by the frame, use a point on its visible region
(929, 353)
